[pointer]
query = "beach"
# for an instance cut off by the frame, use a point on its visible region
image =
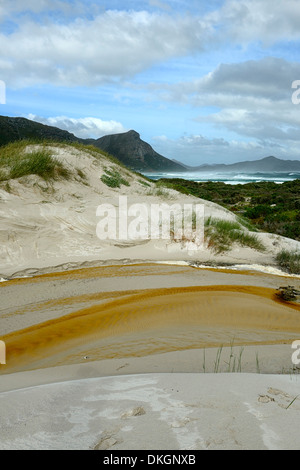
(123, 344)
(149, 228)
(139, 310)
(118, 356)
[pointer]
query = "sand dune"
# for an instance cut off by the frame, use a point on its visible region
(44, 225)
(101, 333)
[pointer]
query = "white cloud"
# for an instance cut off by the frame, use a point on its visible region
(111, 46)
(84, 128)
(252, 99)
(261, 124)
(195, 150)
(117, 44)
(78, 43)
(268, 79)
(268, 21)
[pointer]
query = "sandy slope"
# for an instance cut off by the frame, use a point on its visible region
(43, 225)
(106, 351)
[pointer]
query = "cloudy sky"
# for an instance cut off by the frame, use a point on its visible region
(202, 82)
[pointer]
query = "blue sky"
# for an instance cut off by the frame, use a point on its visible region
(202, 82)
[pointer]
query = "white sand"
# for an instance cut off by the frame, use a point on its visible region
(161, 401)
(45, 225)
(155, 411)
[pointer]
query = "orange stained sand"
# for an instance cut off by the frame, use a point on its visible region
(67, 301)
(139, 269)
(251, 315)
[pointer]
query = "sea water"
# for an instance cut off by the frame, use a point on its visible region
(227, 177)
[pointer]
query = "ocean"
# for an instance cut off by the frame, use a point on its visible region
(228, 178)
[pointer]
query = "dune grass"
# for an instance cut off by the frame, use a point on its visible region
(16, 162)
(234, 364)
(95, 152)
(113, 179)
(221, 234)
(289, 261)
(246, 223)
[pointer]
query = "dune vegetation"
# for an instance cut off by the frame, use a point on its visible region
(221, 234)
(113, 179)
(267, 206)
(16, 161)
(289, 261)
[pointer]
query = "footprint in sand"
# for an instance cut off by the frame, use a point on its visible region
(265, 399)
(107, 442)
(138, 411)
(283, 399)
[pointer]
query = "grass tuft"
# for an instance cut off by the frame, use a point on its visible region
(289, 261)
(15, 162)
(221, 234)
(113, 179)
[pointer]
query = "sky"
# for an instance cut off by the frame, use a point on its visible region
(202, 82)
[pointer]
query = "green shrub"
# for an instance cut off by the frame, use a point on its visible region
(113, 179)
(221, 234)
(246, 223)
(144, 183)
(269, 206)
(289, 261)
(287, 293)
(262, 210)
(40, 163)
(15, 162)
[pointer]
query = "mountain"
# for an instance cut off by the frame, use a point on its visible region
(267, 164)
(17, 128)
(130, 150)
(135, 153)
(127, 147)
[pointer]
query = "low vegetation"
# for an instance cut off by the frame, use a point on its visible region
(113, 179)
(145, 183)
(16, 162)
(289, 261)
(287, 293)
(266, 206)
(221, 234)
